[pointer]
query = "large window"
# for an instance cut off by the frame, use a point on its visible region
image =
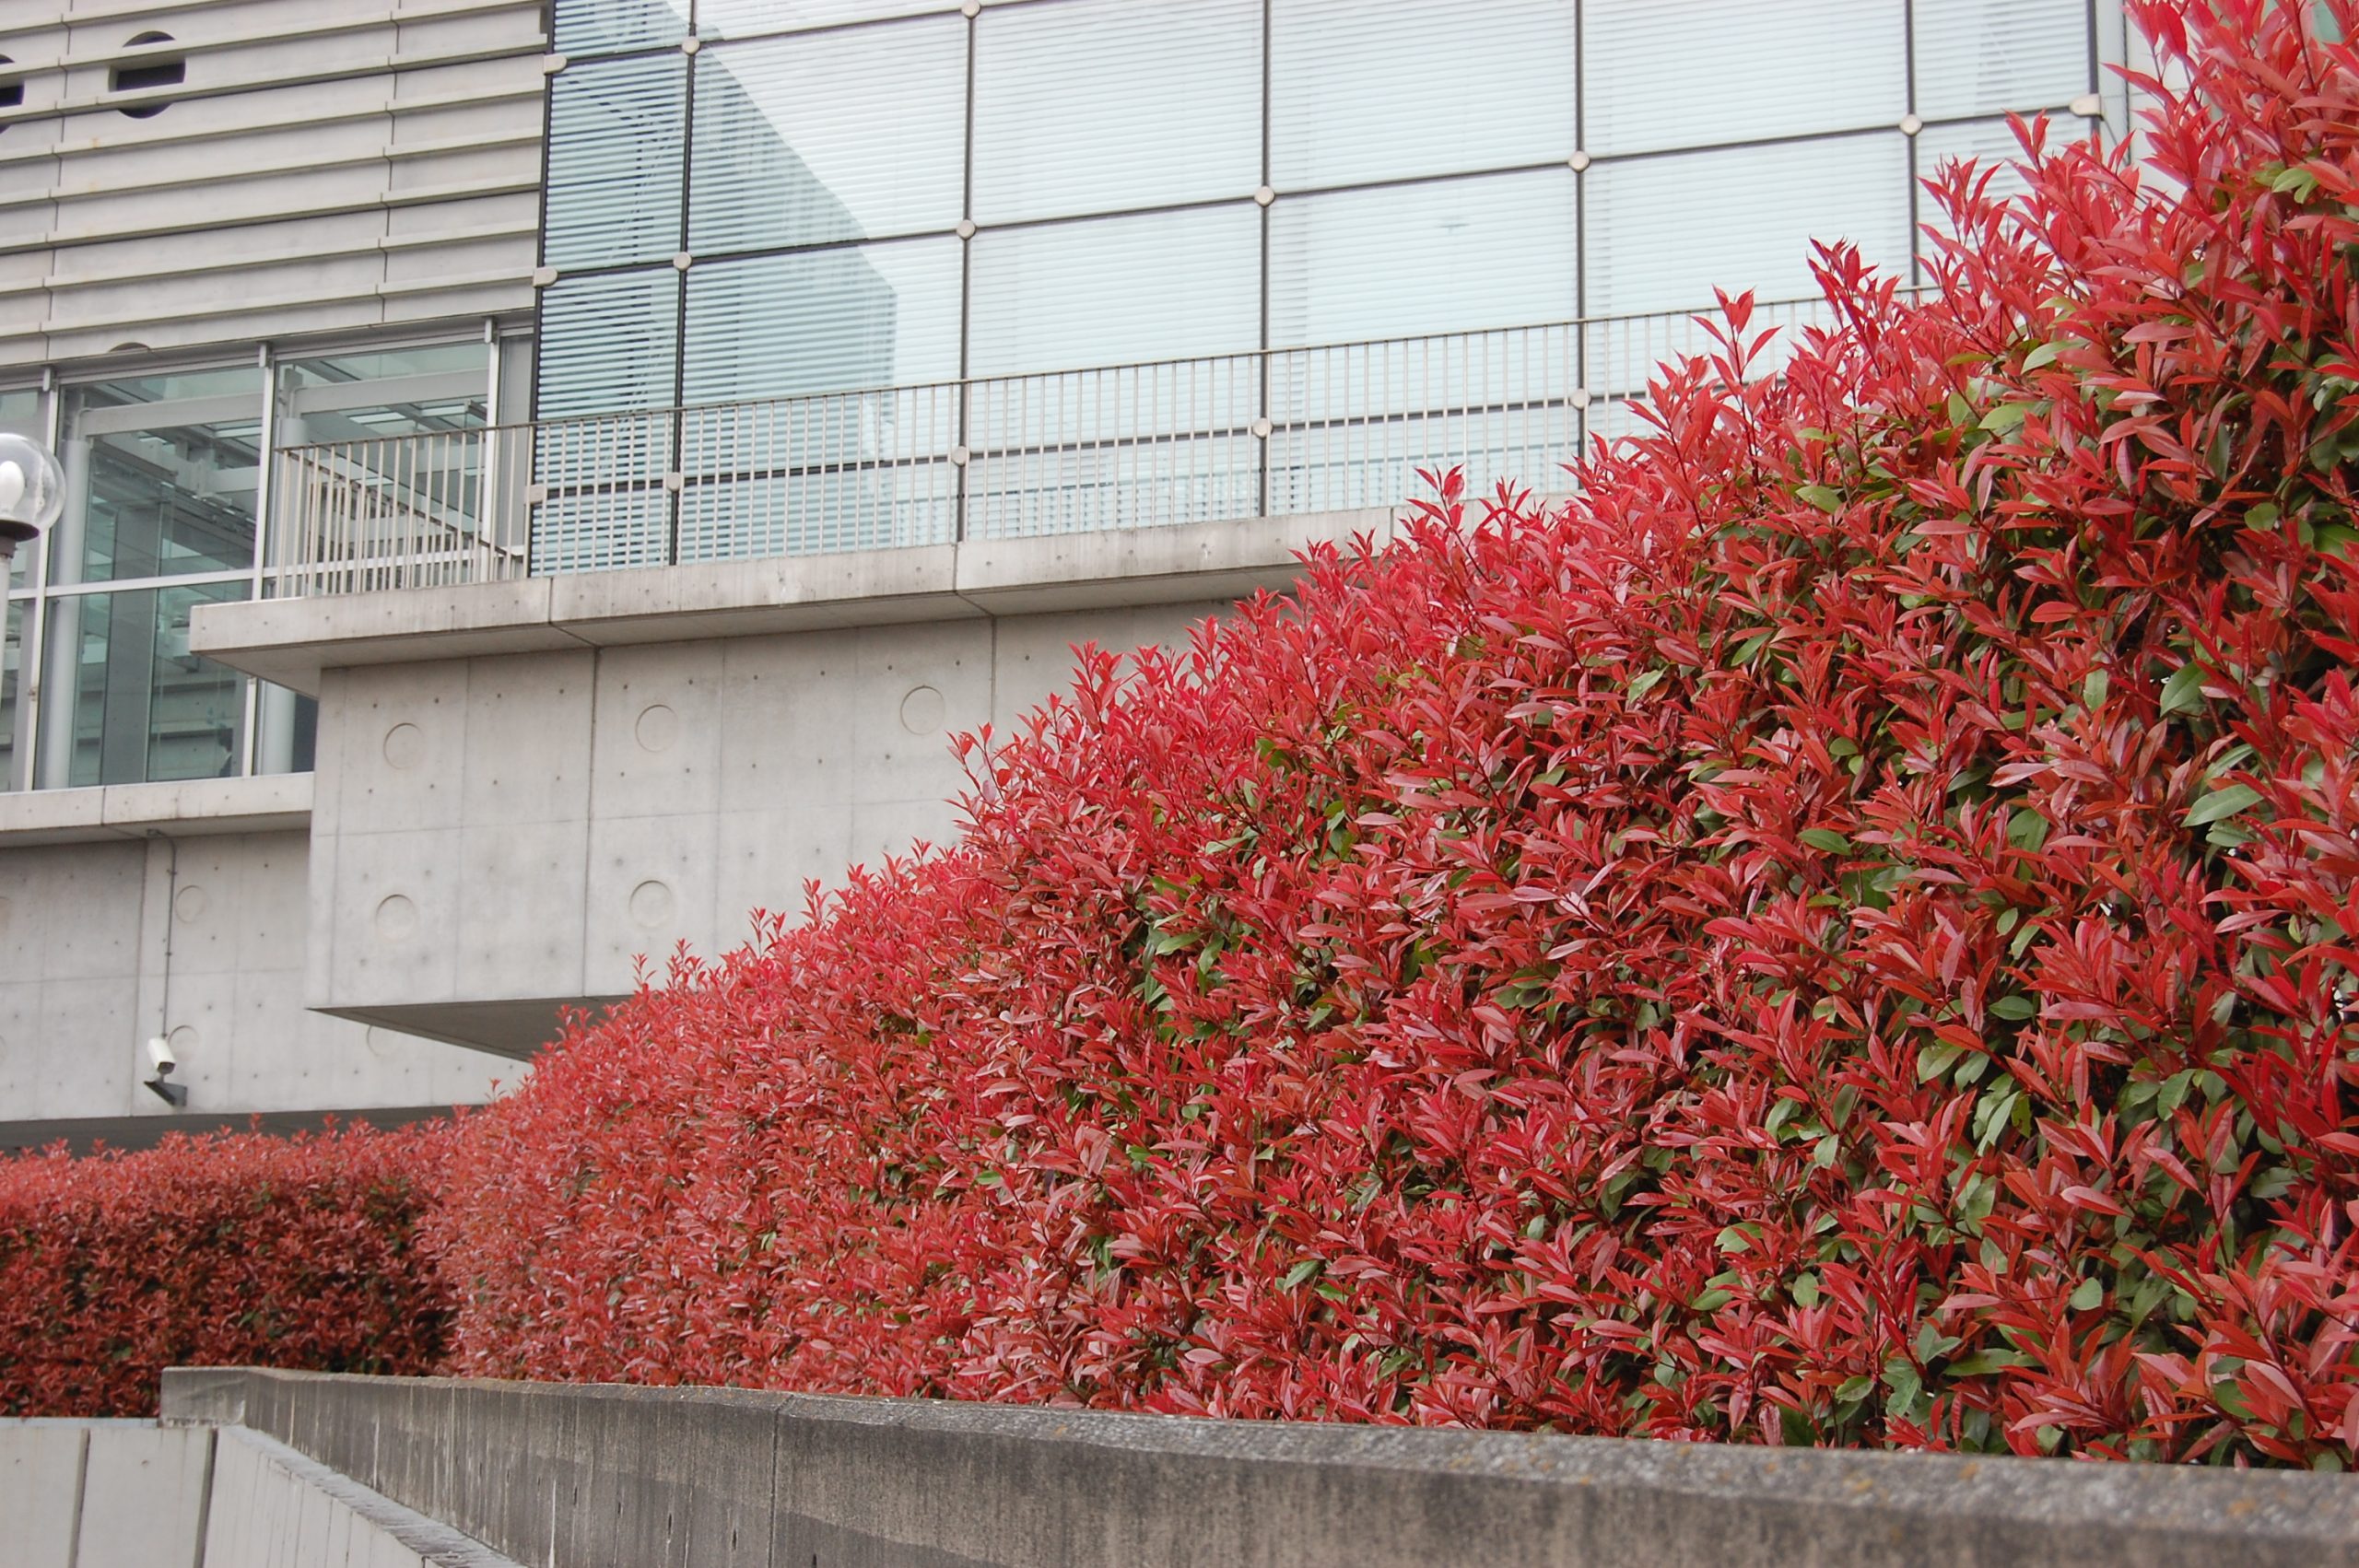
(754, 199)
(168, 474)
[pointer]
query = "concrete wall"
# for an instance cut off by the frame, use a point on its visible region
(86, 980)
(135, 1494)
(326, 165)
(594, 1476)
(520, 827)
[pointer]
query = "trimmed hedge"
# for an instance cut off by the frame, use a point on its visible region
(226, 1250)
(1844, 934)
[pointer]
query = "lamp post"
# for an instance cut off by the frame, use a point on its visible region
(32, 493)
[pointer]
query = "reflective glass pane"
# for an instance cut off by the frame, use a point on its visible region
(1663, 232)
(878, 151)
(746, 18)
(615, 132)
(1158, 286)
(145, 709)
(609, 343)
(1985, 56)
(156, 487)
(1343, 107)
(595, 27)
(1709, 71)
(353, 397)
(1449, 255)
(1102, 105)
(823, 321)
(12, 661)
(20, 416)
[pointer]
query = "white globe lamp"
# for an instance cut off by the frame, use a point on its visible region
(32, 491)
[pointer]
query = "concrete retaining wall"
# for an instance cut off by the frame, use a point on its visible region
(584, 1477)
(137, 1494)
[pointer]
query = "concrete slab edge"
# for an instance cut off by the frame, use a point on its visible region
(436, 1543)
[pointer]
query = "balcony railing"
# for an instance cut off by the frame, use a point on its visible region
(1281, 431)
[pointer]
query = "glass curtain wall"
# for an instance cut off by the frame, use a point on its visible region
(165, 490)
(763, 199)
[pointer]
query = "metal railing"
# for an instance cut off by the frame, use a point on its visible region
(1274, 432)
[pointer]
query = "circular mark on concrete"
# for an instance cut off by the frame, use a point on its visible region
(190, 904)
(396, 918)
(657, 727)
(383, 1042)
(183, 1041)
(921, 711)
(404, 746)
(650, 905)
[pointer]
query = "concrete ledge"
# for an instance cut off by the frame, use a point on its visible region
(594, 1475)
(270, 804)
(291, 640)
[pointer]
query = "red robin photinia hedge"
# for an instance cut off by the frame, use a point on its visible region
(228, 1249)
(1842, 934)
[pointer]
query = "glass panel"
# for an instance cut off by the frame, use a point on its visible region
(1348, 466)
(1710, 72)
(614, 161)
(145, 709)
(744, 18)
(12, 660)
(355, 397)
(1101, 105)
(1341, 109)
(609, 343)
(601, 532)
(595, 27)
(812, 511)
(1985, 56)
(1160, 285)
(1144, 484)
(156, 488)
(1448, 256)
(879, 150)
(1663, 232)
(824, 320)
(20, 416)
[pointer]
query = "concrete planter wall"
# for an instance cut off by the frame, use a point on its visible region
(596, 1475)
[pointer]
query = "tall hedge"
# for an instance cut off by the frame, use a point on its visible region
(1843, 934)
(230, 1249)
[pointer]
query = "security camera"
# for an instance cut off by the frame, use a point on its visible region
(32, 491)
(160, 1051)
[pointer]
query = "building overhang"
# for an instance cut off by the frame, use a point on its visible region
(276, 802)
(291, 641)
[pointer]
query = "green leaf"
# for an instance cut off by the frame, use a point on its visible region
(2334, 538)
(2183, 689)
(1733, 1239)
(2043, 356)
(1806, 1290)
(1935, 1060)
(2014, 1008)
(2005, 417)
(1712, 1301)
(2221, 804)
(2089, 1296)
(1981, 1364)
(2093, 689)
(1854, 1389)
(1825, 838)
(1303, 1270)
(1819, 496)
(1643, 682)
(2262, 517)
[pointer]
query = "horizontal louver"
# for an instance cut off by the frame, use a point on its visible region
(609, 343)
(1340, 111)
(1987, 56)
(1708, 72)
(616, 136)
(1116, 291)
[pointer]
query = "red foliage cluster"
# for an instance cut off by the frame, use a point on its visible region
(1844, 934)
(227, 1250)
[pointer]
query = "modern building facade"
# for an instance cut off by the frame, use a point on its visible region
(544, 480)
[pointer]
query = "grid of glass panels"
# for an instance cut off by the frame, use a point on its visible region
(166, 486)
(756, 199)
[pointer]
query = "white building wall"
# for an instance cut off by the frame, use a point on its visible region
(326, 166)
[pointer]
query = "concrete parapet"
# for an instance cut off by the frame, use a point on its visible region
(586, 1476)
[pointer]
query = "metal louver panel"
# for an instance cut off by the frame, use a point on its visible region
(1989, 56)
(616, 136)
